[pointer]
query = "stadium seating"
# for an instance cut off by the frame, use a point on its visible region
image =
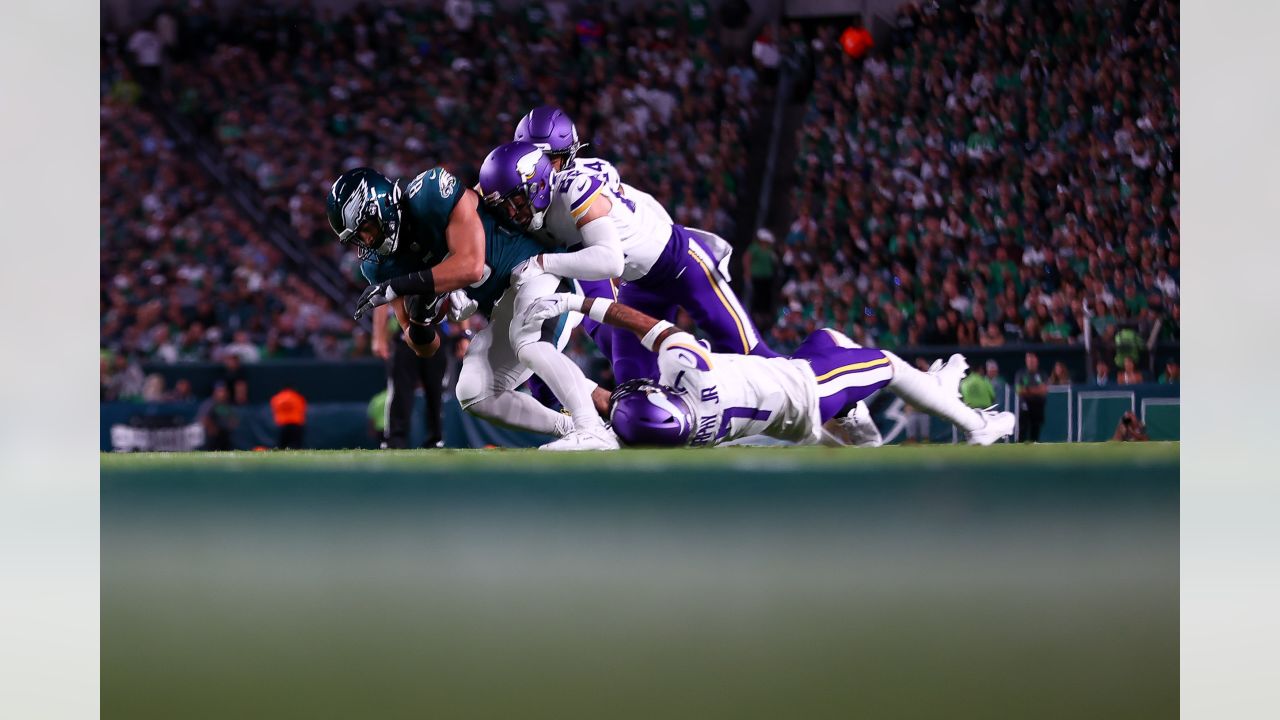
(991, 166)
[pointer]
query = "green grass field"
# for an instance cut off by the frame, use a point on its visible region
(902, 582)
(1076, 454)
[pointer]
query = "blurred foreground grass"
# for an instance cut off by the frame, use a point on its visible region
(913, 582)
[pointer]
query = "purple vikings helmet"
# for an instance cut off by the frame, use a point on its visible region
(516, 178)
(550, 129)
(643, 412)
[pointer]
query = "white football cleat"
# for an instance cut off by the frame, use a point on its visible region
(950, 374)
(860, 428)
(591, 438)
(998, 425)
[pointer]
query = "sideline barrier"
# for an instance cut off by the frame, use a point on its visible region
(1078, 413)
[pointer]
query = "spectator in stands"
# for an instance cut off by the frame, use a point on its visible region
(991, 336)
(1102, 373)
(1171, 374)
(1128, 345)
(148, 52)
(998, 383)
(1060, 375)
(1130, 428)
(1032, 392)
(242, 348)
(1130, 374)
(289, 410)
(218, 417)
(124, 379)
(181, 392)
(153, 389)
(767, 56)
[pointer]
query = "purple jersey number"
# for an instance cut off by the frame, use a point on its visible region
(739, 412)
(630, 205)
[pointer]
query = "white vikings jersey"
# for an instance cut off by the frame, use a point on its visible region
(642, 230)
(735, 396)
(596, 166)
(606, 168)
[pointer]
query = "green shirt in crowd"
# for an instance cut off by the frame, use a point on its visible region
(977, 391)
(762, 260)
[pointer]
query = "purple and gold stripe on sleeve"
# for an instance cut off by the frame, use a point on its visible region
(697, 357)
(579, 207)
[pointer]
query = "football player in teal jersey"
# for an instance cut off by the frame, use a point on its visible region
(434, 239)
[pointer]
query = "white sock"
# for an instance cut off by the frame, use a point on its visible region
(923, 391)
(523, 412)
(565, 380)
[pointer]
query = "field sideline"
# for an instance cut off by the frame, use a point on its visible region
(773, 459)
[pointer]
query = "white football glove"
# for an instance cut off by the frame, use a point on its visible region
(461, 306)
(526, 271)
(551, 306)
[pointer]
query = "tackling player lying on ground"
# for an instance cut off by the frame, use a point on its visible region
(702, 398)
(620, 232)
(436, 239)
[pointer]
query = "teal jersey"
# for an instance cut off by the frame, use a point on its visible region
(424, 213)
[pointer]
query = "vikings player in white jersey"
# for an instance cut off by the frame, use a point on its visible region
(662, 265)
(666, 265)
(702, 398)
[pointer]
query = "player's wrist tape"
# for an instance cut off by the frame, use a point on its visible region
(421, 334)
(652, 336)
(416, 283)
(599, 306)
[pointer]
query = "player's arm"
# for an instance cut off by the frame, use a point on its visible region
(651, 331)
(380, 341)
(464, 266)
(465, 237)
(421, 337)
(601, 255)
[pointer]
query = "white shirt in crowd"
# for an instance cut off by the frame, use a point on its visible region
(146, 47)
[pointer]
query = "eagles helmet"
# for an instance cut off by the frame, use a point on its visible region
(364, 210)
(643, 412)
(516, 180)
(552, 131)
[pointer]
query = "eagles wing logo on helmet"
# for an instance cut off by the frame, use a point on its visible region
(353, 210)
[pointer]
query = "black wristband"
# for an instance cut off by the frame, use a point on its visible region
(415, 283)
(421, 334)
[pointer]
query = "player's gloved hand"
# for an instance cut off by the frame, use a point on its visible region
(461, 306)
(553, 305)
(526, 271)
(372, 297)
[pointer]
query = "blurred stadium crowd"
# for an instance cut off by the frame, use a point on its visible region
(982, 179)
(996, 170)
